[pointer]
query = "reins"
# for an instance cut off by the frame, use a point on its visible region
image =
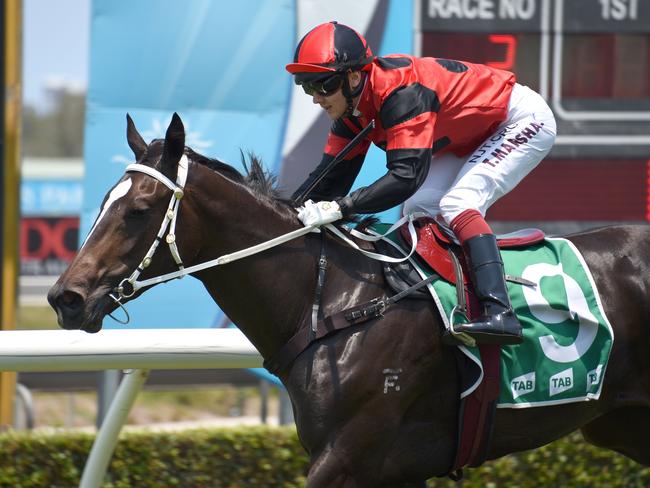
(129, 286)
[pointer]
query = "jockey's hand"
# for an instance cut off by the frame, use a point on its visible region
(319, 213)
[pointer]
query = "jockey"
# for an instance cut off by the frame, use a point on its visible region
(457, 136)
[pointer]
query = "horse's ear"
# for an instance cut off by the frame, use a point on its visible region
(135, 140)
(174, 147)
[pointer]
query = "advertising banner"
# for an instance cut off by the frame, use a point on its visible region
(220, 65)
(50, 203)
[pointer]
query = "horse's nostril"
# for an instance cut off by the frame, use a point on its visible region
(70, 300)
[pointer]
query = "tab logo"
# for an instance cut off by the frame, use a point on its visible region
(522, 384)
(561, 382)
(593, 377)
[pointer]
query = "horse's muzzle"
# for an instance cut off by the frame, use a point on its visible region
(70, 306)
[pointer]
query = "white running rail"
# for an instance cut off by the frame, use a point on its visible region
(137, 350)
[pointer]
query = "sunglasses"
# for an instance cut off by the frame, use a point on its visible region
(325, 87)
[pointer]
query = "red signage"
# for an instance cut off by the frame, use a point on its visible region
(47, 244)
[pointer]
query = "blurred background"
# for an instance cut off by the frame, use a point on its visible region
(83, 64)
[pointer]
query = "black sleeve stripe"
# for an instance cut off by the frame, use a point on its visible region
(452, 65)
(412, 153)
(409, 163)
(393, 63)
(438, 144)
(341, 129)
(407, 102)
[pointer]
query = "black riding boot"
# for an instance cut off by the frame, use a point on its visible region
(498, 324)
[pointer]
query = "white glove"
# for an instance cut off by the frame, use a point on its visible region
(319, 213)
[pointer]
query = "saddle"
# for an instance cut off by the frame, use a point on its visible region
(435, 245)
(438, 251)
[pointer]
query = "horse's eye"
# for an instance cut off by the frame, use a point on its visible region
(136, 212)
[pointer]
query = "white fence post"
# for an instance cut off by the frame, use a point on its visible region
(106, 440)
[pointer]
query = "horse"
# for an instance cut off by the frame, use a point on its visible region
(355, 433)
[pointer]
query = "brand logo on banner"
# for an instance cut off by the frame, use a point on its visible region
(47, 244)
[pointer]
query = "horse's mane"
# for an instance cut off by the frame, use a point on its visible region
(261, 181)
(257, 178)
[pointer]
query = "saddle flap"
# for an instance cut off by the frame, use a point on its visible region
(400, 276)
(432, 247)
(520, 238)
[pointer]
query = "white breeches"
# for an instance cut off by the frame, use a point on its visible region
(455, 184)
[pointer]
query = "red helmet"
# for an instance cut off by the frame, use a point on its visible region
(330, 47)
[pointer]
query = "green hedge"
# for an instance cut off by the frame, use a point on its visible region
(254, 457)
(250, 457)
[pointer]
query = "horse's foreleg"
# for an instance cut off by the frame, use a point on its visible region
(625, 430)
(329, 471)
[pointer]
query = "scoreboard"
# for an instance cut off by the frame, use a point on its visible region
(590, 59)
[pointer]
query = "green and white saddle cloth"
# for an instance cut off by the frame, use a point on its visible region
(567, 336)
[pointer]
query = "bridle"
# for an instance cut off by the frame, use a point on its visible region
(129, 286)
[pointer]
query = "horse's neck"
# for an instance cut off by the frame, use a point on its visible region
(266, 295)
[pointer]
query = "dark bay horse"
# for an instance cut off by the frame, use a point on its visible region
(357, 434)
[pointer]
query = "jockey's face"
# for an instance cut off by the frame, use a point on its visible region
(335, 103)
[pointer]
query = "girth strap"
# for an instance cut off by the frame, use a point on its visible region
(320, 282)
(338, 321)
(376, 307)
